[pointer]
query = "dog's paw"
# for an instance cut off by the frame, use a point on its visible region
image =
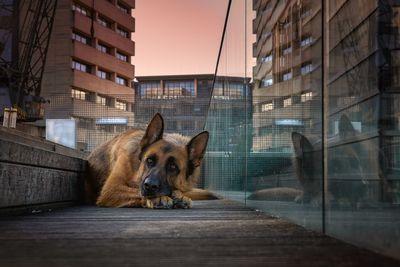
(180, 201)
(163, 202)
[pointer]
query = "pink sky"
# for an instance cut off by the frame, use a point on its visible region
(183, 37)
(177, 36)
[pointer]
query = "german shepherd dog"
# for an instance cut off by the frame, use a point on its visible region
(146, 169)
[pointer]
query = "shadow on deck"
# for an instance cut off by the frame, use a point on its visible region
(215, 232)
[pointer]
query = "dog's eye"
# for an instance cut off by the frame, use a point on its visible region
(172, 167)
(150, 162)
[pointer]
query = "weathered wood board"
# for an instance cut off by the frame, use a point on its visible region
(212, 233)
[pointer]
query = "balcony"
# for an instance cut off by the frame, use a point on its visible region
(111, 11)
(83, 24)
(93, 83)
(103, 60)
(93, 110)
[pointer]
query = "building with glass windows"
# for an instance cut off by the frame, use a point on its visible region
(286, 76)
(89, 72)
(183, 100)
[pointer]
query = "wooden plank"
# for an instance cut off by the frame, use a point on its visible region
(27, 185)
(35, 208)
(212, 233)
(27, 155)
(16, 136)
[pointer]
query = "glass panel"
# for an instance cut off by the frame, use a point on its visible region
(229, 115)
(363, 196)
(265, 149)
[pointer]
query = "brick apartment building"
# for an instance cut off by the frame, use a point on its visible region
(89, 73)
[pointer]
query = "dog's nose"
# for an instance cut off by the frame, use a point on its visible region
(152, 184)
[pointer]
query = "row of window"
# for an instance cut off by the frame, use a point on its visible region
(87, 11)
(288, 75)
(306, 41)
(99, 46)
(172, 89)
(101, 73)
(102, 100)
(286, 101)
(102, 20)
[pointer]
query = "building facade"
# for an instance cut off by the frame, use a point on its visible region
(89, 71)
(183, 100)
(287, 75)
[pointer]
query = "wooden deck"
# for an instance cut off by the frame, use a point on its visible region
(213, 233)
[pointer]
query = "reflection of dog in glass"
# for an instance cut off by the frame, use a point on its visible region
(146, 169)
(348, 175)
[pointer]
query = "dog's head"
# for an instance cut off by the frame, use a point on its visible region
(168, 163)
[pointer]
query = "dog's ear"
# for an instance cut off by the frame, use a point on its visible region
(301, 144)
(154, 132)
(197, 148)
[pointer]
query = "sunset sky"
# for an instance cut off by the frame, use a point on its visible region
(183, 36)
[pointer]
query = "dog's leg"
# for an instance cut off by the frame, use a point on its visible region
(119, 196)
(115, 191)
(163, 202)
(180, 201)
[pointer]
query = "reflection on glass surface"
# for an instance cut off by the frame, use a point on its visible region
(363, 169)
(316, 137)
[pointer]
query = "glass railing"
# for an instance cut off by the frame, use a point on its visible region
(319, 143)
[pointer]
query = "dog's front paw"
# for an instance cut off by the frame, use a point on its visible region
(180, 201)
(163, 202)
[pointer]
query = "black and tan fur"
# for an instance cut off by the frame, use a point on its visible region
(146, 169)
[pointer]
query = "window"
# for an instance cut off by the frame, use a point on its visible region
(306, 96)
(80, 66)
(80, 38)
(306, 68)
(305, 12)
(266, 35)
(122, 57)
(150, 90)
(103, 74)
(121, 81)
(305, 41)
(175, 89)
(122, 7)
(287, 50)
(122, 32)
(105, 22)
(103, 48)
(267, 58)
(287, 76)
(79, 94)
(120, 105)
(267, 106)
(101, 100)
(81, 9)
(287, 102)
(267, 82)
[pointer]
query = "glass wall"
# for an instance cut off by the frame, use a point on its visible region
(315, 137)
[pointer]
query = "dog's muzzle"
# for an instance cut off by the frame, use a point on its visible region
(152, 186)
